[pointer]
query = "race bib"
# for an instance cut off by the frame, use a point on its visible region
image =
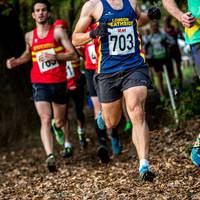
(121, 41)
(70, 70)
(92, 54)
(48, 65)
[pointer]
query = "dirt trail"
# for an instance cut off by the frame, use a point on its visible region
(23, 174)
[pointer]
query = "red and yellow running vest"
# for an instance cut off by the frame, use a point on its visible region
(47, 72)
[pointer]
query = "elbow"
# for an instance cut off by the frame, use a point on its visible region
(74, 41)
(74, 55)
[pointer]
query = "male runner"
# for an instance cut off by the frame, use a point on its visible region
(122, 70)
(49, 49)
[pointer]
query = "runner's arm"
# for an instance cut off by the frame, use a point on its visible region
(25, 56)
(80, 36)
(70, 53)
(186, 19)
(144, 17)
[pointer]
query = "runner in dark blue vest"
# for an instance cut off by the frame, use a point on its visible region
(121, 70)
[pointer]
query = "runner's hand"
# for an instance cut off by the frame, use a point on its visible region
(100, 31)
(154, 13)
(47, 57)
(10, 63)
(187, 19)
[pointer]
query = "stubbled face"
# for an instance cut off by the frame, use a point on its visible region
(40, 14)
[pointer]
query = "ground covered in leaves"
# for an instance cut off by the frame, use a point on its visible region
(23, 173)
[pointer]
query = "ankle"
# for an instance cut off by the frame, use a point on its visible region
(144, 163)
(67, 144)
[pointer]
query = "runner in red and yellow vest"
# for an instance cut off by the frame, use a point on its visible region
(49, 49)
(47, 72)
(73, 73)
(91, 52)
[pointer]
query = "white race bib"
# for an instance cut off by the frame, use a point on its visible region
(121, 40)
(92, 54)
(48, 65)
(70, 70)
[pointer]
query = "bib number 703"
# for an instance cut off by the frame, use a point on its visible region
(121, 41)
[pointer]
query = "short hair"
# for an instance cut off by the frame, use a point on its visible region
(61, 22)
(46, 2)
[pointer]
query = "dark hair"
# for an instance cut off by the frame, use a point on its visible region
(46, 2)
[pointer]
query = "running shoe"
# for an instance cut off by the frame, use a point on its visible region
(67, 152)
(82, 139)
(102, 153)
(195, 154)
(58, 133)
(51, 163)
(100, 122)
(145, 174)
(127, 126)
(116, 146)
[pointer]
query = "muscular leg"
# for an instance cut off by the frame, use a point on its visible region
(44, 111)
(111, 113)
(135, 99)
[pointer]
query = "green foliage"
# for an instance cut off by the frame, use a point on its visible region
(187, 102)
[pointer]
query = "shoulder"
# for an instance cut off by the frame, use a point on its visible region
(29, 37)
(91, 7)
(133, 4)
(59, 33)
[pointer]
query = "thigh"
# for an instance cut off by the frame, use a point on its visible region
(43, 109)
(135, 96)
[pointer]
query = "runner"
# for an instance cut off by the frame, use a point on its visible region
(49, 49)
(122, 70)
(91, 57)
(156, 46)
(191, 21)
(75, 90)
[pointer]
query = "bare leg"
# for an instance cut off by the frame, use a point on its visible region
(111, 113)
(135, 99)
(44, 111)
(97, 106)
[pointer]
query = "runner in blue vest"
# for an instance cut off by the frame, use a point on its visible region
(122, 70)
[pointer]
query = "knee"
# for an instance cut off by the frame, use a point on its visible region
(137, 114)
(112, 122)
(59, 122)
(45, 119)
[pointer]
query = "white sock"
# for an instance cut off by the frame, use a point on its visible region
(68, 144)
(80, 130)
(143, 162)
